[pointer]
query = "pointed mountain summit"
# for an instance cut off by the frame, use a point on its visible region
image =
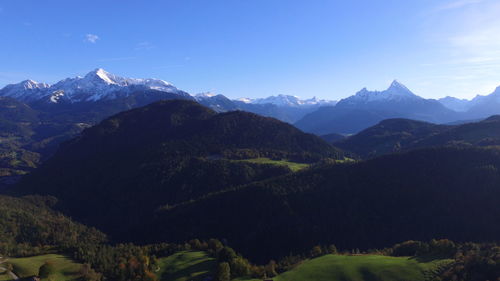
(395, 92)
(367, 108)
(396, 85)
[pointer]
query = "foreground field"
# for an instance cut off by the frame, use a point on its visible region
(361, 268)
(184, 266)
(65, 268)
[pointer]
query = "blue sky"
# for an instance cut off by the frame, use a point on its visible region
(256, 48)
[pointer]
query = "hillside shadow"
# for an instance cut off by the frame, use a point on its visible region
(428, 258)
(368, 275)
(204, 268)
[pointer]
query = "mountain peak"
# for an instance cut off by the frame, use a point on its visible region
(103, 75)
(396, 85)
(395, 93)
(31, 84)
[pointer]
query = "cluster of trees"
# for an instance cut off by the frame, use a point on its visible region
(471, 261)
(120, 262)
(29, 227)
(441, 248)
(474, 262)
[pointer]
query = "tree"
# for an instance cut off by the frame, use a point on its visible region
(271, 269)
(316, 251)
(46, 269)
(226, 254)
(88, 274)
(332, 249)
(223, 272)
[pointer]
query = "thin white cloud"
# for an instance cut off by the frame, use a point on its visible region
(465, 35)
(169, 66)
(146, 45)
(115, 59)
(457, 4)
(91, 38)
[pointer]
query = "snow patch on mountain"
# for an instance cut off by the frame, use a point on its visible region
(206, 95)
(395, 92)
(23, 90)
(288, 101)
(96, 85)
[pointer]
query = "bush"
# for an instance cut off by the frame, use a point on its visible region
(46, 270)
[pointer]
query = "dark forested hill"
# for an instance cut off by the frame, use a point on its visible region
(433, 193)
(116, 174)
(394, 135)
(388, 136)
(31, 132)
(27, 225)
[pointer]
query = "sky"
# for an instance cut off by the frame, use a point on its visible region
(257, 48)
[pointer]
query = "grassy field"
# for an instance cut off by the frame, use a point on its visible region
(360, 268)
(66, 269)
(186, 266)
(292, 165)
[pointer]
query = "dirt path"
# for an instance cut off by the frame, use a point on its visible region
(12, 274)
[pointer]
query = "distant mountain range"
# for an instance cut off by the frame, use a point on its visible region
(283, 107)
(96, 85)
(478, 107)
(37, 117)
(350, 115)
(367, 108)
(99, 86)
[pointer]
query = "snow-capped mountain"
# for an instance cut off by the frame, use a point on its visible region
(396, 92)
(96, 85)
(366, 108)
(206, 95)
(219, 103)
(24, 90)
(288, 100)
(283, 107)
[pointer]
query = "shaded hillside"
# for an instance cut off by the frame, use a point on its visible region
(165, 153)
(331, 138)
(28, 223)
(388, 136)
(396, 135)
(424, 194)
(30, 133)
